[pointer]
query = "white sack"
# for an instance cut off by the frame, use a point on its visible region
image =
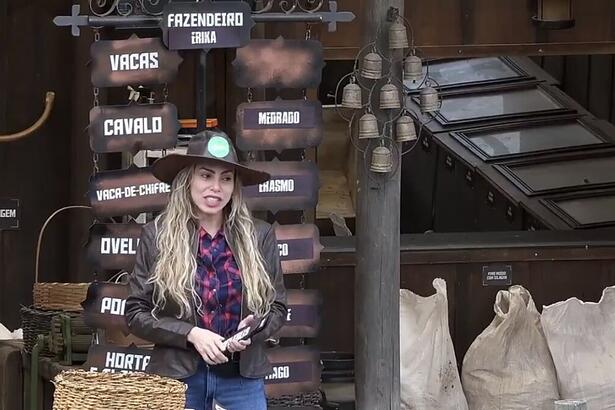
(581, 337)
(428, 367)
(509, 366)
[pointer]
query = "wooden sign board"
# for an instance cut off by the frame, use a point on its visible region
(293, 186)
(117, 359)
(135, 61)
(9, 214)
(279, 63)
(299, 247)
(113, 246)
(303, 320)
(103, 307)
(133, 127)
(127, 192)
(279, 125)
(296, 370)
(206, 24)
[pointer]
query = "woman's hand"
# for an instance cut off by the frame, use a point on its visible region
(241, 345)
(208, 344)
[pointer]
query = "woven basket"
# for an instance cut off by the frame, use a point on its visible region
(55, 295)
(36, 322)
(313, 399)
(78, 389)
(59, 296)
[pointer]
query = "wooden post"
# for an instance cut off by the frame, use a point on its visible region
(377, 270)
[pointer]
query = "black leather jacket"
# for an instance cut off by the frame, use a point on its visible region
(174, 356)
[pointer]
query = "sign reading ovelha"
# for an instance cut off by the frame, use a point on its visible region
(133, 127)
(9, 214)
(293, 186)
(296, 370)
(279, 125)
(103, 307)
(113, 246)
(279, 63)
(127, 192)
(303, 319)
(206, 24)
(299, 247)
(133, 61)
(116, 359)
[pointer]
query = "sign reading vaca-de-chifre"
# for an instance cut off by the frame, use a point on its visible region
(279, 125)
(113, 246)
(116, 359)
(292, 186)
(279, 63)
(299, 247)
(303, 318)
(135, 61)
(103, 307)
(206, 24)
(9, 214)
(127, 192)
(133, 127)
(296, 370)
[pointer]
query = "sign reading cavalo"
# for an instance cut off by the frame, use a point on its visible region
(206, 24)
(292, 186)
(113, 246)
(127, 192)
(132, 62)
(279, 125)
(133, 127)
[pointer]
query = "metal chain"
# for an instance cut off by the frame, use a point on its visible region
(308, 31)
(249, 96)
(95, 91)
(165, 92)
(95, 168)
(96, 35)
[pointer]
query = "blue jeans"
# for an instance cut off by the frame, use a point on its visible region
(232, 392)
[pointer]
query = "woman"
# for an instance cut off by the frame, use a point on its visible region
(204, 269)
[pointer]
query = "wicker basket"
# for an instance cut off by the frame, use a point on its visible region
(78, 389)
(54, 295)
(36, 322)
(312, 400)
(59, 296)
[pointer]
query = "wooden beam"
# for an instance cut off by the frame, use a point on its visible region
(377, 272)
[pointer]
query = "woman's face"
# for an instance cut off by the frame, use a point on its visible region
(211, 187)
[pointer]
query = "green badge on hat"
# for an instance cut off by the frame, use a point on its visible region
(218, 147)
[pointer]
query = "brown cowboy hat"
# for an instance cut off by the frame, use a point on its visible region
(211, 146)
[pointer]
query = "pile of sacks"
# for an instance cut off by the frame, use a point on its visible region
(522, 360)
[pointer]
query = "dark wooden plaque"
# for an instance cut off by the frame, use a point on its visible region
(279, 63)
(135, 61)
(299, 247)
(296, 370)
(279, 125)
(113, 246)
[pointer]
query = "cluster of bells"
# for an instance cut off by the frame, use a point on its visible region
(389, 98)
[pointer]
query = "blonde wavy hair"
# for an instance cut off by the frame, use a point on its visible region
(174, 273)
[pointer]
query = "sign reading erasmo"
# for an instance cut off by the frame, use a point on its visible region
(133, 127)
(127, 192)
(206, 25)
(133, 61)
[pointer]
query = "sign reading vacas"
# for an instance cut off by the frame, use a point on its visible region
(133, 61)
(134, 127)
(206, 25)
(127, 192)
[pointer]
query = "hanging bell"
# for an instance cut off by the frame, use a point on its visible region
(382, 160)
(398, 36)
(368, 126)
(372, 66)
(429, 100)
(413, 69)
(389, 97)
(351, 97)
(405, 129)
